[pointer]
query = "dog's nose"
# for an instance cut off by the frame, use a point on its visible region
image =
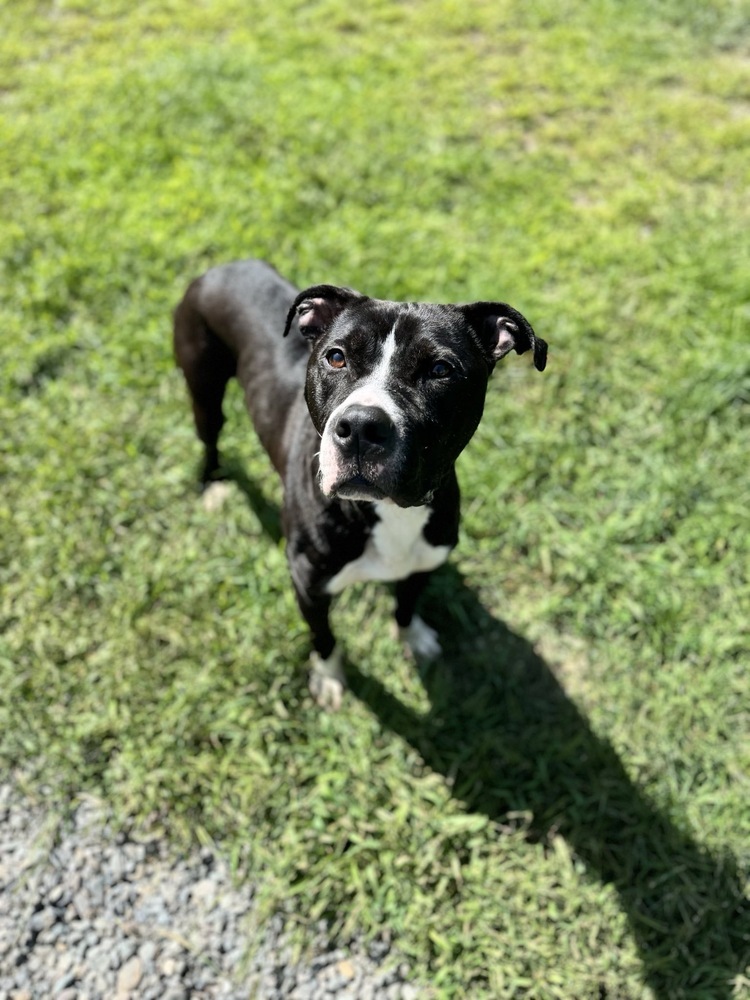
(361, 428)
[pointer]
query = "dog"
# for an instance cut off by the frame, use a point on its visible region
(363, 406)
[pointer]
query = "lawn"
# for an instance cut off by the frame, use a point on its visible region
(560, 808)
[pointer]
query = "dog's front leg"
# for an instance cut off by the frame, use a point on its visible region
(327, 679)
(421, 639)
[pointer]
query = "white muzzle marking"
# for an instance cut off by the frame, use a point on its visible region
(371, 391)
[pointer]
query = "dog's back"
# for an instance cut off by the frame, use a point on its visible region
(231, 322)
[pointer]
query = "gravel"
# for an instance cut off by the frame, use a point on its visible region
(87, 913)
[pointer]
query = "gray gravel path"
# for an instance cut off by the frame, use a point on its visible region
(87, 914)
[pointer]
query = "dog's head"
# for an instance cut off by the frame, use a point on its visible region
(397, 389)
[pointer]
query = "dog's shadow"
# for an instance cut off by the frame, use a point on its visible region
(511, 742)
(501, 726)
(267, 512)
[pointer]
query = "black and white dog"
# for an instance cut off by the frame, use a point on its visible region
(363, 406)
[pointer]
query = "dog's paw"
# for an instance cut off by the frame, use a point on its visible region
(327, 681)
(215, 496)
(421, 639)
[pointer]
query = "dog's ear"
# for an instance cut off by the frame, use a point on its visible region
(502, 329)
(318, 306)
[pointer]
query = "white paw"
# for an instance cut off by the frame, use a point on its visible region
(327, 681)
(215, 496)
(421, 639)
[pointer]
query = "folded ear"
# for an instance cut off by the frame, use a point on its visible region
(502, 329)
(317, 307)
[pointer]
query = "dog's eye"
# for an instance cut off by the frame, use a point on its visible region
(439, 369)
(336, 359)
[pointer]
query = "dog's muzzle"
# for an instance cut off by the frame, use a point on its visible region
(356, 451)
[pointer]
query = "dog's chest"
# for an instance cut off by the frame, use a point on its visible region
(395, 549)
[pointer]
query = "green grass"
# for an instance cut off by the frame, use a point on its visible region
(560, 809)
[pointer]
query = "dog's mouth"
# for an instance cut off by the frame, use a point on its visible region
(357, 487)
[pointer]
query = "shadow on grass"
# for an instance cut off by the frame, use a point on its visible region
(502, 728)
(265, 510)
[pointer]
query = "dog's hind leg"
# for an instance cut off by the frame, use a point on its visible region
(207, 364)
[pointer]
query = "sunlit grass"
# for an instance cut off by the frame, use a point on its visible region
(560, 808)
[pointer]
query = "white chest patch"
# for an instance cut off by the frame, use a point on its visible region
(395, 549)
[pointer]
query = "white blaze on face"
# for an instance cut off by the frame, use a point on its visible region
(369, 391)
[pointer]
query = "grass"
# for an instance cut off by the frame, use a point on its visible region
(560, 808)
